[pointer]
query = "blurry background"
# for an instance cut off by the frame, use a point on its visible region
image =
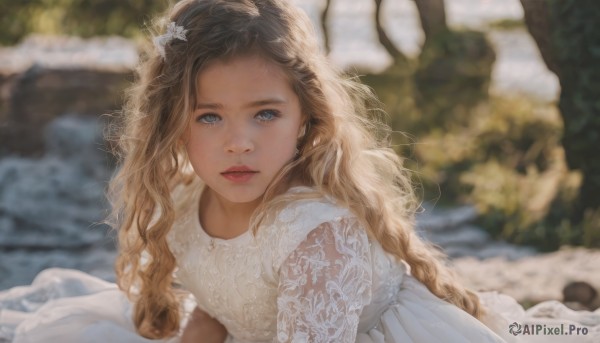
(494, 104)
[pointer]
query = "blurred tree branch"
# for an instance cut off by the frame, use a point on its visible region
(389, 46)
(324, 26)
(433, 17)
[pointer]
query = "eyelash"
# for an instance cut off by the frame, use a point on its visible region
(274, 113)
(201, 117)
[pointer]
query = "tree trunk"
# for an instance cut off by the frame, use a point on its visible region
(433, 17)
(576, 47)
(570, 47)
(537, 20)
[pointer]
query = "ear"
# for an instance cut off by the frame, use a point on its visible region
(304, 128)
(181, 141)
(302, 131)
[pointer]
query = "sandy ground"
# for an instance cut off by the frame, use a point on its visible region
(532, 279)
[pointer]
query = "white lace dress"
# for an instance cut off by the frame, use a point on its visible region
(311, 274)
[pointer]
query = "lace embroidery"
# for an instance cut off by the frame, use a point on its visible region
(324, 285)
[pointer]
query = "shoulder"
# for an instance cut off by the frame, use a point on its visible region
(308, 210)
(288, 226)
(303, 210)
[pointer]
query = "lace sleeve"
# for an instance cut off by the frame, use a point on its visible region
(324, 285)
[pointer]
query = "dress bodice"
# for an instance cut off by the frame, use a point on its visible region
(226, 278)
(252, 283)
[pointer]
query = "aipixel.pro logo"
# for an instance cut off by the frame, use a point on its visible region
(547, 330)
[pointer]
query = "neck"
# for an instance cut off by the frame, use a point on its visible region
(233, 210)
(225, 219)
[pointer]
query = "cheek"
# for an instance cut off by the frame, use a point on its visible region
(283, 143)
(198, 152)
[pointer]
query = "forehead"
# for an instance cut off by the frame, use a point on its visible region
(245, 65)
(242, 76)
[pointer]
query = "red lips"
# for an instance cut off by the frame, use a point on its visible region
(239, 174)
(239, 169)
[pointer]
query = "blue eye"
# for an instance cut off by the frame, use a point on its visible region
(267, 115)
(208, 118)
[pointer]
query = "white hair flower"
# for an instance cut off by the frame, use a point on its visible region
(173, 32)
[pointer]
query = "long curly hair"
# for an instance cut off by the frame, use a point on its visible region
(345, 152)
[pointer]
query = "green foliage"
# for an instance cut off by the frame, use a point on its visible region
(503, 155)
(452, 76)
(516, 168)
(509, 163)
(394, 89)
(83, 18)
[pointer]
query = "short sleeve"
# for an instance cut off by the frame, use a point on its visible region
(324, 285)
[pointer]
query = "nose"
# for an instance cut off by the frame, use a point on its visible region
(239, 140)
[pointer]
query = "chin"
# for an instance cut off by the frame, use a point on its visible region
(241, 196)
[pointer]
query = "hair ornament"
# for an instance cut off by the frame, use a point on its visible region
(174, 31)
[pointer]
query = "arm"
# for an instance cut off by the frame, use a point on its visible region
(203, 328)
(324, 285)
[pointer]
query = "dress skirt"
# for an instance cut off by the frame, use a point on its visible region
(419, 316)
(70, 306)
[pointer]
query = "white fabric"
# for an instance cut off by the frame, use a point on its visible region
(66, 306)
(310, 274)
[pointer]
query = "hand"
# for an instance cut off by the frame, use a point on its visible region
(202, 328)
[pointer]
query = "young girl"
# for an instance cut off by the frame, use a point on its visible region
(251, 172)
(254, 179)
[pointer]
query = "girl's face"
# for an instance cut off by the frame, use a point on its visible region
(245, 126)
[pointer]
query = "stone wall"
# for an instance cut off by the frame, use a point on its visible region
(44, 78)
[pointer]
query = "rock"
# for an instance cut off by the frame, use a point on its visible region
(438, 220)
(468, 236)
(58, 200)
(79, 140)
(580, 295)
(51, 208)
(48, 203)
(451, 231)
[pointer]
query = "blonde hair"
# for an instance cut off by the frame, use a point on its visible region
(344, 153)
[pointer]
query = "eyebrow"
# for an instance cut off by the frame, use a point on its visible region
(258, 103)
